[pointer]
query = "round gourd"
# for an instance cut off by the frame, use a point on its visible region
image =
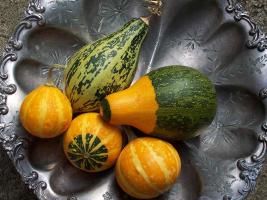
(46, 112)
(92, 145)
(147, 167)
(172, 102)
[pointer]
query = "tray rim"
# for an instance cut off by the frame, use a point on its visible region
(15, 146)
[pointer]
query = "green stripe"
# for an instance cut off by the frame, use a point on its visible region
(82, 155)
(106, 109)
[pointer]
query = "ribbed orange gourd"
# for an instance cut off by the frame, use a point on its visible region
(147, 167)
(46, 112)
(92, 145)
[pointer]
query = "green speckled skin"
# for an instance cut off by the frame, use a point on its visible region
(104, 67)
(187, 101)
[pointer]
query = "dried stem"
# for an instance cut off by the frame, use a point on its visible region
(146, 19)
(50, 74)
(155, 6)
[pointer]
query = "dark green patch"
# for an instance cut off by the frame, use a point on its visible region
(187, 101)
(106, 110)
(84, 156)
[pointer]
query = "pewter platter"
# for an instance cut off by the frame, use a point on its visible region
(216, 37)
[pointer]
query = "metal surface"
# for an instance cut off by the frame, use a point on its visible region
(223, 163)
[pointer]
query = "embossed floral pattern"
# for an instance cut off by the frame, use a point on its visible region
(110, 12)
(218, 169)
(230, 115)
(253, 65)
(114, 10)
(191, 41)
(107, 196)
(66, 16)
(248, 67)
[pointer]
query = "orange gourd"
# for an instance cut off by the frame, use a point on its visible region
(135, 106)
(92, 145)
(46, 112)
(147, 167)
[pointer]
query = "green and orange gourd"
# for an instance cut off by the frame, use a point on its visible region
(92, 145)
(173, 102)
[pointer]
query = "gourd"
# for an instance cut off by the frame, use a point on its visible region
(46, 112)
(92, 145)
(147, 167)
(105, 66)
(172, 102)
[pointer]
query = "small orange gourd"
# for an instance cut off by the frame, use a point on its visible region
(91, 144)
(147, 167)
(46, 112)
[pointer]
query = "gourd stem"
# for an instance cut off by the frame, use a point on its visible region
(155, 6)
(50, 74)
(146, 20)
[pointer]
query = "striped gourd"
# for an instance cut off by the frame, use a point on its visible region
(46, 112)
(147, 167)
(106, 66)
(92, 145)
(172, 102)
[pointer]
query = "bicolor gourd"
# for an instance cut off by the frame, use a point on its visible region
(172, 102)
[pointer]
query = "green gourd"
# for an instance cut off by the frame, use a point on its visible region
(105, 66)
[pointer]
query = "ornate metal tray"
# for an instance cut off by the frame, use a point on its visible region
(216, 37)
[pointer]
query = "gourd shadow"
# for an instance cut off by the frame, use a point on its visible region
(44, 45)
(233, 132)
(46, 154)
(29, 69)
(67, 180)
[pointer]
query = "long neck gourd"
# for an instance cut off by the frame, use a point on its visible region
(172, 102)
(104, 67)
